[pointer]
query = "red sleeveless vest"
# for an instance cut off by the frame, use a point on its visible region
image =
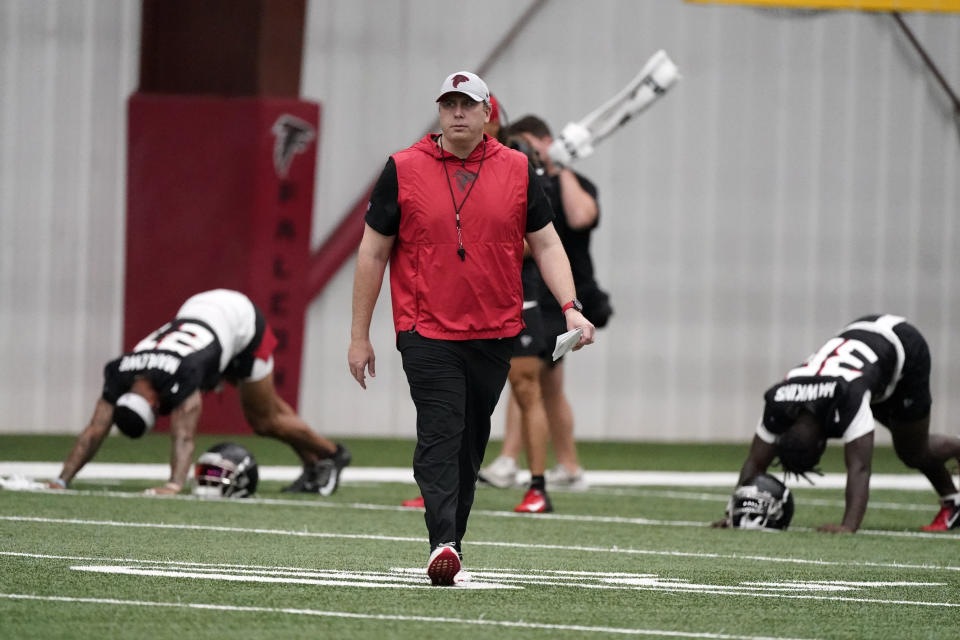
(433, 290)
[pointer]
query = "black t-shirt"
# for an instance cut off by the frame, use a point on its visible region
(383, 211)
(178, 358)
(530, 277)
(576, 242)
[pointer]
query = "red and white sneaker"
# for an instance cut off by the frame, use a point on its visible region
(949, 515)
(534, 501)
(414, 503)
(444, 565)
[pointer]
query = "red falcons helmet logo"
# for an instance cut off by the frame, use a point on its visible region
(291, 136)
(457, 79)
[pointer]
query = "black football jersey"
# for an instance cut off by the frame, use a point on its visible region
(178, 358)
(867, 357)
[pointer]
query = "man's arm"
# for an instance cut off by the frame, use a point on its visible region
(372, 257)
(579, 206)
(87, 444)
(758, 460)
(857, 454)
(555, 269)
(183, 433)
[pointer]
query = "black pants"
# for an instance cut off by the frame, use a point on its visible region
(455, 386)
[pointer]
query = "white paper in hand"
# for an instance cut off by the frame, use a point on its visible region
(565, 342)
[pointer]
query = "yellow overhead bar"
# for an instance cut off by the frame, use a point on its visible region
(863, 5)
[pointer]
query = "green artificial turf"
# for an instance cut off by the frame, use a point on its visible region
(387, 452)
(106, 562)
(621, 560)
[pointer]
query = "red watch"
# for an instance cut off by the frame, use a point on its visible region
(573, 304)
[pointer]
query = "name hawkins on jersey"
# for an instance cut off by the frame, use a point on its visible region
(805, 392)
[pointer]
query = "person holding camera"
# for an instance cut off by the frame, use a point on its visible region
(574, 201)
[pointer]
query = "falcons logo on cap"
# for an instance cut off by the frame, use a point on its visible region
(291, 136)
(457, 79)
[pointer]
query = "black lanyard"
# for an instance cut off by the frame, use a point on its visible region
(443, 157)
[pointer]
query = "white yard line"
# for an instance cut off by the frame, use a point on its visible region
(714, 497)
(322, 504)
(511, 624)
(122, 471)
(724, 592)
(481, 543)
(490, 578)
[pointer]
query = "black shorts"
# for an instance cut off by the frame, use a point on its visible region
(531, 342)
(554, 324)
(911, 400)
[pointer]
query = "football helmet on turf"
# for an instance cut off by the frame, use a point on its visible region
(225, 470)
(762, 502)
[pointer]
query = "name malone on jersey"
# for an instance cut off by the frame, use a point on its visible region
(143, 361)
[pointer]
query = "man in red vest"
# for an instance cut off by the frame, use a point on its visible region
(450, 214)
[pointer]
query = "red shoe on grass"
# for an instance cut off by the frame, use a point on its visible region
(534, 501)
(949, 515)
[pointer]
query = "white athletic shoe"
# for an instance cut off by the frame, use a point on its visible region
(443, 565)
(501, 473)
(560, 478)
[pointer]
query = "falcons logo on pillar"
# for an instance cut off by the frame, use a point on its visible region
(291, 136)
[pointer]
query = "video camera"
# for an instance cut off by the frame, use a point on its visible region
(578, 139)
(520, 143)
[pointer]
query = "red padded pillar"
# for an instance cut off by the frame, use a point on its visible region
(220, 194)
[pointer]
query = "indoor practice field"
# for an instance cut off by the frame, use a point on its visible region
(102, 561)
(331, 233)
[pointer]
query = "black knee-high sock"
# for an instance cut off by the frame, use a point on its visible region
(537, 482)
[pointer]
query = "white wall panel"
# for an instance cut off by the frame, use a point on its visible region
(67, 68)
(804, 171)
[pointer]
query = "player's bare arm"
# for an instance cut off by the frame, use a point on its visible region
(86, 445)
(183, 432)
(758, 460)
(857, 455)
(372, 257)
